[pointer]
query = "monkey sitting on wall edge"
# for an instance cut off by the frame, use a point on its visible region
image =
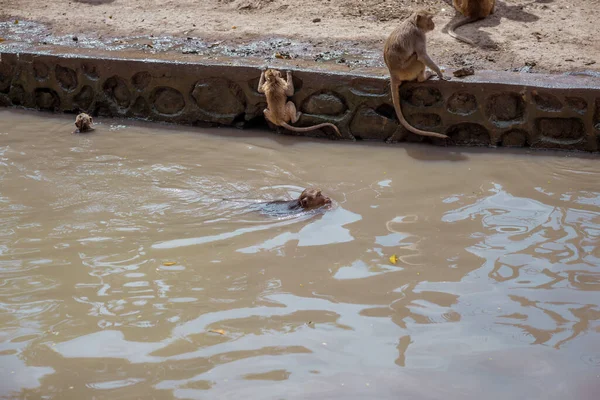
(405, 55)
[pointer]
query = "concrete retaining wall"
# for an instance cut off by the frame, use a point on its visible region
(498, 109)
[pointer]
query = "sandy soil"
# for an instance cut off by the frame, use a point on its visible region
(538, 35)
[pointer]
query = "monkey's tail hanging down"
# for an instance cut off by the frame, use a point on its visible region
(311, 128)
(457, 24)
(396, 99)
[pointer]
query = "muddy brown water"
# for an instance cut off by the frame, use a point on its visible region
(118, 257)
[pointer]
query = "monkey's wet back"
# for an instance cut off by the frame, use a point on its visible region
(124, 275)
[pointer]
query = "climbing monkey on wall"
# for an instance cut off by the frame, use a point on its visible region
(473, 10)
(83, 122)
(279, 111)
(405, 55)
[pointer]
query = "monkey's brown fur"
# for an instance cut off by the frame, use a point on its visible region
(83, 122)
(473, 10)
(405, 55)
(280, 111)
(312, 198)
(309, 199)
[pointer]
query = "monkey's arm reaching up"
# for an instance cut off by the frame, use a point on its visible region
(289, 85)
(261, 82)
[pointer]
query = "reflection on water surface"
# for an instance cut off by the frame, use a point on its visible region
(124, 275)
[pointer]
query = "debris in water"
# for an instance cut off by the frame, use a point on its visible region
(219, 331)
(394, 259)
(316, 20)
(169, 263)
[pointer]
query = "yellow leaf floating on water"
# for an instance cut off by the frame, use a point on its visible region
(219, 331)
(394, 259)
(1, 40)
(169, 263)
(16, 21)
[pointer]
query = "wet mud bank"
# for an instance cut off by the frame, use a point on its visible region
(487, 109)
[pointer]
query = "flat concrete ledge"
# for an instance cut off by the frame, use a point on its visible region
(487, 109)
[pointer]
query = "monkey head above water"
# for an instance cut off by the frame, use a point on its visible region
(312, 198)
(83, 122)
(309, 199)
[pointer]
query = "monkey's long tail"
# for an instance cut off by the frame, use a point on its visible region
(311, 128)
(395, 84)
(460, 23)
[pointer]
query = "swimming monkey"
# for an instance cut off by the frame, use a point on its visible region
(83, 122)
(309, 199)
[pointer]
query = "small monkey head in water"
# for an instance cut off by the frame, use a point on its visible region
(313, 198)
(83, 122)
(424, 20)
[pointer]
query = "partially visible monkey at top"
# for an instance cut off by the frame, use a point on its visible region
(83, 122)
(473, 10)
(279, 111)
(405, 55)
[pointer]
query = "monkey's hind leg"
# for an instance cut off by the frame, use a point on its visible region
(290, 110)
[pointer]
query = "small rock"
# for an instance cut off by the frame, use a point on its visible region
(526, 69)
(316, 20)
(75, 38)
(465, 71)
(537, 35)
(283, 55)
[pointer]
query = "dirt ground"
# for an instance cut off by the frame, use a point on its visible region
(526, 35)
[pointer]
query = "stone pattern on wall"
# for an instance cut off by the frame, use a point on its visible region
(470, 113)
